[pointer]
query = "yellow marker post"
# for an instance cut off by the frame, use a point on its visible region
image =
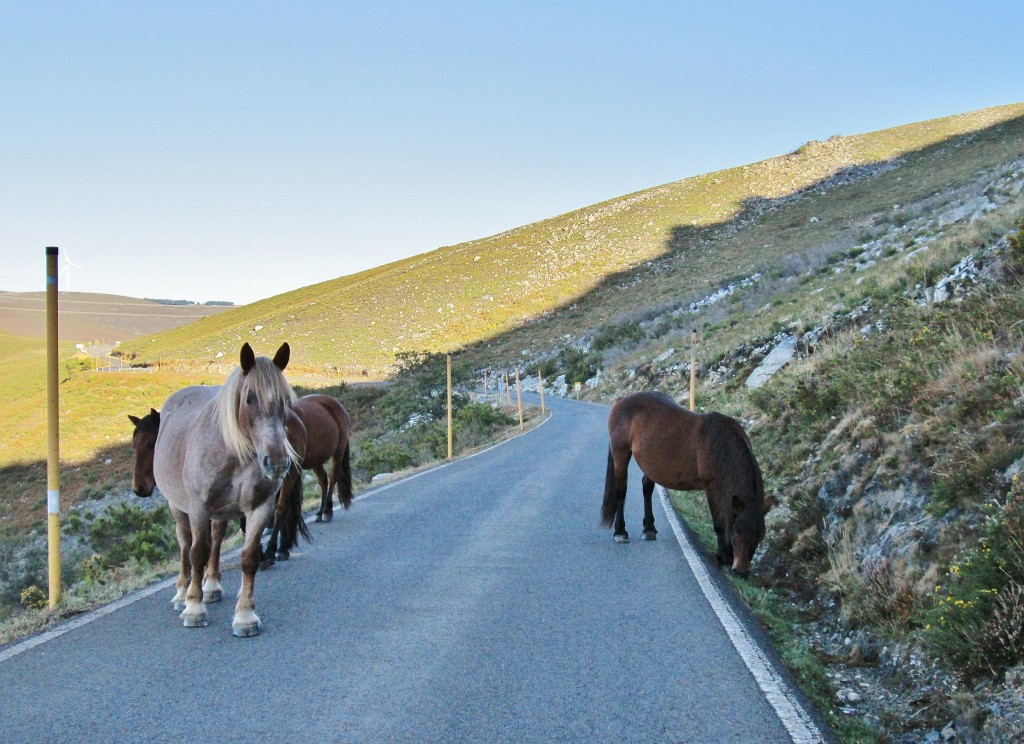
(519, 400)
(449, 357)
(52, 429)
(693, 369)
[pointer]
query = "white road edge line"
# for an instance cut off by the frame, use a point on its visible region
(85, 619)
(798, 723)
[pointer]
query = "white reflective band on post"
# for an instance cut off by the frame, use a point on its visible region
(53, 502)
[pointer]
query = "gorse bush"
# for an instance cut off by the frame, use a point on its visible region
(1016, 253)
(977, 619)
(127, 532)
(576, 365)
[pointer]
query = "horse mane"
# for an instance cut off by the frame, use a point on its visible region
(728, 443)
(271, 389)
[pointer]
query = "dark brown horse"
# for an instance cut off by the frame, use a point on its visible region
(143, 443)
(327, 438)
(687, 451)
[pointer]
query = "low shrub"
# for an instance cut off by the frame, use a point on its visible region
(976, 620)
(127, 532)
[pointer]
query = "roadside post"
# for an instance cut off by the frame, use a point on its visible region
(540, 387)
(693, 369)
(52, 429)
(519, 400)
(449, 359)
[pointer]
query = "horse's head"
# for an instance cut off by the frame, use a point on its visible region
(144, 443)
(261, 398)
(747, 532)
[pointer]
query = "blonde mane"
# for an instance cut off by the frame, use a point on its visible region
(271, 389)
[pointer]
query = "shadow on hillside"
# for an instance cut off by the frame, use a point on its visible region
(23, 485)
(695, 273)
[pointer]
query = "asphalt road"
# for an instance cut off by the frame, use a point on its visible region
(478, 602)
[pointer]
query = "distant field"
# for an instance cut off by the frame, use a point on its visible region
(84, 316)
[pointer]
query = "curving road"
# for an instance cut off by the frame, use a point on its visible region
(477, 602)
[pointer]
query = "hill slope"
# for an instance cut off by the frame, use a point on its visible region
(479, 290)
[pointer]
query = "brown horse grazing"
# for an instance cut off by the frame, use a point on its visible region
(223, 453)
(143, 484)
(686, 451)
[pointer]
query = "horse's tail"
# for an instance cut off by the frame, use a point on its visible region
(344, 479)
(611, 500)
(289, 511)
(341, 468)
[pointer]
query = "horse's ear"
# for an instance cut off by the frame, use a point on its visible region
(737, 505)
(281, 357)
(134, 419)
(247, 358)
(768, 504)
(155, 414)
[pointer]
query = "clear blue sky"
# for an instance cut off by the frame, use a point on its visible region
(234, 151)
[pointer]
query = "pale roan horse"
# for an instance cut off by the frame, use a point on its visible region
(222, 453)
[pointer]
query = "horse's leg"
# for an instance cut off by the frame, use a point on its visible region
(281, 551)
(246, 622)
(184, 534)
(649, 532)
(326, 513)
(194, 614)
(621, 471)
(212, 589)
(268, 556)
(724, 554)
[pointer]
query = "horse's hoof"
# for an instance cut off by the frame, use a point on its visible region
(247, 628)
(194, 621)
(319, 517)
(213, 595)
(178, 605)
(650, 535)
(328, 516)
(283, 555)
(622, 538)
(246, 631)
(267, 563)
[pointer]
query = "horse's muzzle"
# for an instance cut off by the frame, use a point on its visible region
(274, 470)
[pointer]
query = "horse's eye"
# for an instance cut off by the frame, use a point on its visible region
(250, 399)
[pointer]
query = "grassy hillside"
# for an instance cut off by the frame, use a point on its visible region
(479, 290)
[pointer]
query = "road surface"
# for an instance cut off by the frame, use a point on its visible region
(477, 602)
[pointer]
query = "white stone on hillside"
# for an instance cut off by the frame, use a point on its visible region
(776, 360)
